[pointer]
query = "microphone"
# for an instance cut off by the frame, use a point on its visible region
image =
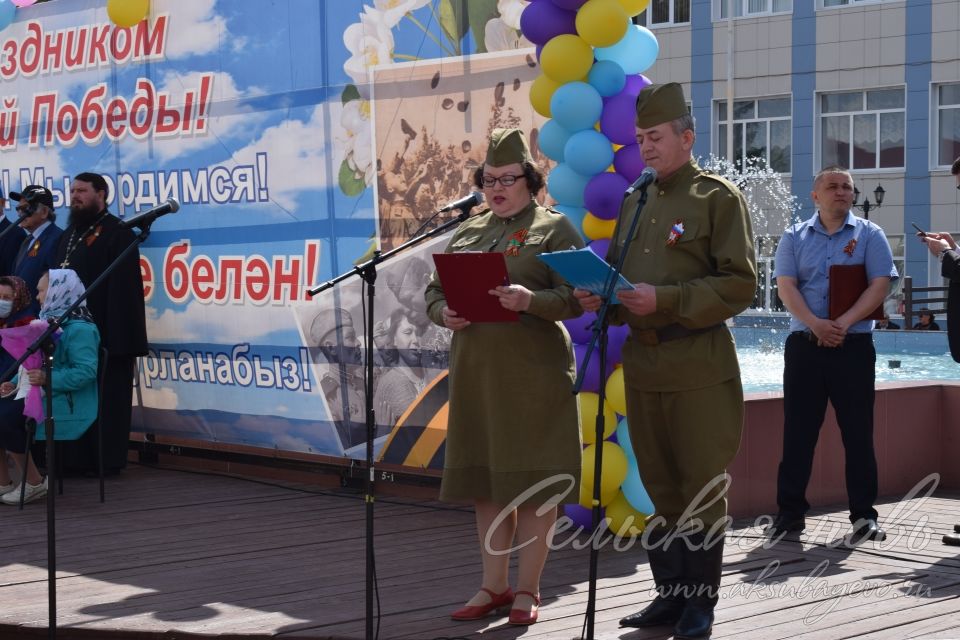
(648, 176)
(146, 218)
(464, 203)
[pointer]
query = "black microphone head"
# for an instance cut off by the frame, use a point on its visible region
(478, 196)
(650, 172)
(174, 205)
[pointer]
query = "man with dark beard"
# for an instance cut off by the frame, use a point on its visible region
(92, 241)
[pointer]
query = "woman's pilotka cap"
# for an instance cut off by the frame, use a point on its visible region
(507, 146)
(660, 103)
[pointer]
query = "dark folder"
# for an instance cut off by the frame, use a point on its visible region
(467, 279)
(847, 284)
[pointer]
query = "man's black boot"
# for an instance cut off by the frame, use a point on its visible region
(702, 565)
(666, 564)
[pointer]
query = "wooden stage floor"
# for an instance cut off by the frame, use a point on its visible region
(181, 555)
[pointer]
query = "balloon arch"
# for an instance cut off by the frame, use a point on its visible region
(592, 57)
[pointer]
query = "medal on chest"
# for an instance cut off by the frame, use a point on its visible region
(676, 231)
(514, 242)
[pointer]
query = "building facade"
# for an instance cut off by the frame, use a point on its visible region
(873, 85)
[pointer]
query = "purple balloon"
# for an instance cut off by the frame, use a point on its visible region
(628, 162)
(616, 336)
(617, 121)
(569, 5)
(600, 247)
(580, 329)
(541, 21)
(581, 516)
(603, 194)
(592, 377)
(635, 84)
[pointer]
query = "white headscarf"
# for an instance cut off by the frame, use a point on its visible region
(64, 288)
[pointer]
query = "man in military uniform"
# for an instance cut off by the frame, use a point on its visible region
(693, 266)
(333, 340)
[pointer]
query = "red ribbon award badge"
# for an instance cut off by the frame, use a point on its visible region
(675, 232)
(515, 242)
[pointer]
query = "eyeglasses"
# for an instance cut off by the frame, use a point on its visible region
(506, 180)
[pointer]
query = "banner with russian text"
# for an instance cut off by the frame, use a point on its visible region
(299, 137)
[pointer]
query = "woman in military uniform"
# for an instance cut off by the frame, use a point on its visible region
(513, 438)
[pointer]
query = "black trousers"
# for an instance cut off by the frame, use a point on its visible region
(845, 376)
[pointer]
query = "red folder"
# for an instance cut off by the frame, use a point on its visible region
(467, 279)
(847, 284)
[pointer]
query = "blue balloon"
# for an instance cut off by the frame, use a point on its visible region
(636, 51)
(588, 152)
(576, 106)
(623, 438)
(7, 9)
(607, 77)
(576, 215)
(633, 489)
(553, 138)
(566, 185)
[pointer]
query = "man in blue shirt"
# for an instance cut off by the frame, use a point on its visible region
(828, 359)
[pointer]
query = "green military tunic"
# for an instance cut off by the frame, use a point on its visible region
(684, 397)
(513, 418)
(708, 274)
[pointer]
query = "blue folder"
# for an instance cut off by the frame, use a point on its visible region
(584, 269)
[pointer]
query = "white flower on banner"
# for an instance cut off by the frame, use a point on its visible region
(370, 42)
(510, 11)
(394, 10)
(499, 36)
(355, 136)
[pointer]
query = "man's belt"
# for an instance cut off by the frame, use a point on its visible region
(675, 331)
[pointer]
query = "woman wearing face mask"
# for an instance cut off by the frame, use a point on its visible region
(15, 301)
(74, 370)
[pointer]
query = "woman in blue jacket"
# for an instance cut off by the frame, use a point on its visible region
(74, 367)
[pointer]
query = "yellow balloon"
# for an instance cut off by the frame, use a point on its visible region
(622, 519)
(634, 7)
(588, 417)
(566, 58)
(596, 228)
(616, 391)
(541, 90)
(602, 23)
(127, 13)
(614, 473)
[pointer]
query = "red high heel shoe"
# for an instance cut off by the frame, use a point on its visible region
(519, 616)
(478, 611)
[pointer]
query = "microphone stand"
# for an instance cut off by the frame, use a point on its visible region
(14, 225)
(599, 337)
(47, 344)
(367, 271)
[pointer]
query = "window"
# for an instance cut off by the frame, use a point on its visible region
(761, 130)
(664, 13)
(829, 4)
(862, 129)
(750, 8)
(947, 123)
